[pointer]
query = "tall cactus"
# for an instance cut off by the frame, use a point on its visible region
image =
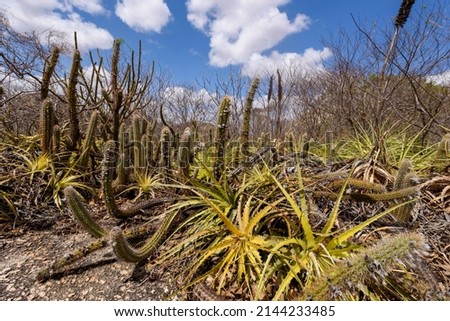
(88, 140)
(74, 126)
(185, 152)
(56, 141)
(220, 138)
(245, 133)
(165, 145)
(48, 72)
(108, 169)
(137, 146)
(46, 126)
(124, 159)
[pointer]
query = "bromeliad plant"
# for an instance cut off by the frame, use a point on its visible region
(261, 247)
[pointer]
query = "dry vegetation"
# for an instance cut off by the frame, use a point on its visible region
(331, 185)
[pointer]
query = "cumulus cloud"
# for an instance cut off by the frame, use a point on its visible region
(143, 16)
(51, 15)
(442, 79)
(240, 29)
(308, 62)
(89, 6)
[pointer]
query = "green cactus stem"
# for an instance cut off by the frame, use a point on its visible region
(137, 146)
(406, 178)
(388, 196)
(88, 140)
(404, 169)
(165, 161)
(48, 72)
(357, 183)
(46, 126)
(69, 258)
(126, 252)
(123, 163)
(81, 213)
(56, 139)
(74, 126)
(220, 138)
(374, 269)
(442, 153)
(245, 133)
(185, 152)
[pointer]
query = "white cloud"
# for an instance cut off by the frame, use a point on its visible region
(442, 79)
(89, 6)
(242, 28)
(301, 64)
(52, 15)
(143, 16)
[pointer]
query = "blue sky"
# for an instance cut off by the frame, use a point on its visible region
(199, 37)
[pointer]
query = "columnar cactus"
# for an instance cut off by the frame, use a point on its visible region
(123, 164)
(74, 127)
(46, 126)
(165, 162)
(246, 119)
(48, 72)
(406, 178)
(185, 152)
(88, 140)
(220, 138)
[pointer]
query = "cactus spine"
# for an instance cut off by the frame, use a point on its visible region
(81, 213)
(220, 138)
(47, 123)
